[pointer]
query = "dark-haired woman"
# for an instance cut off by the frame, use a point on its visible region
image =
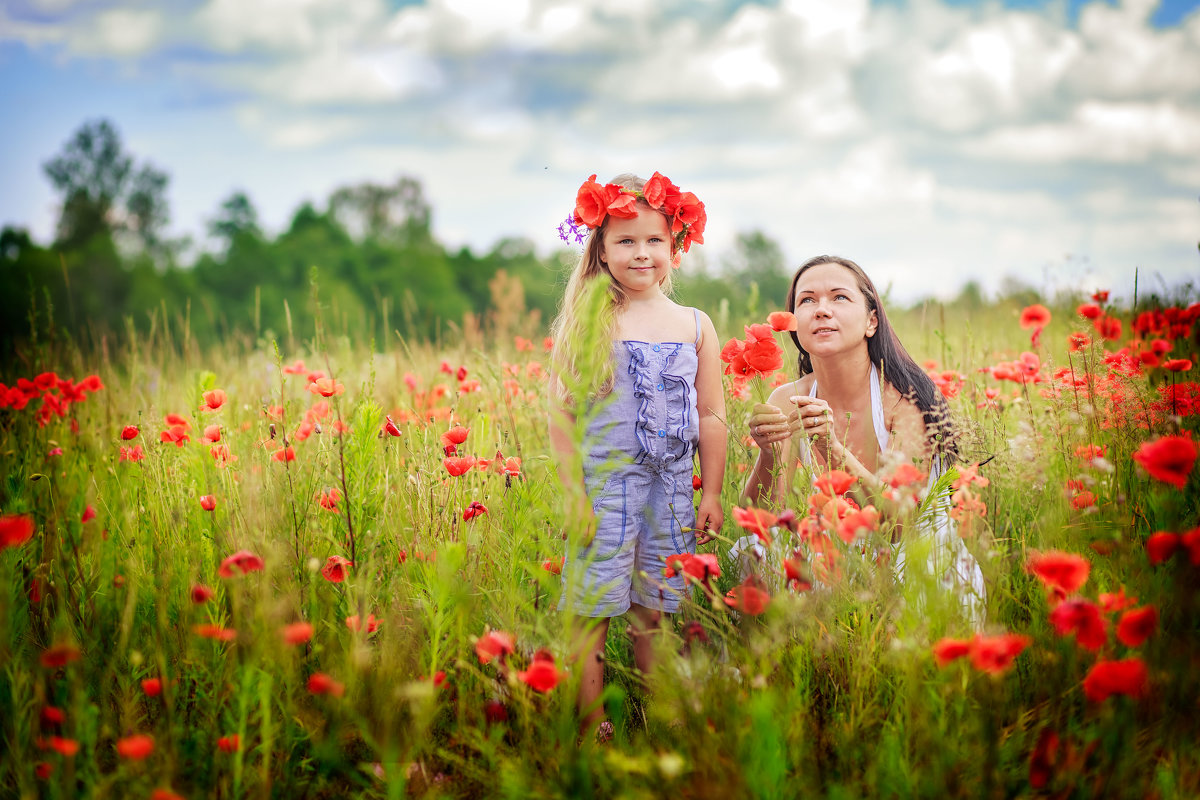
(861, 401)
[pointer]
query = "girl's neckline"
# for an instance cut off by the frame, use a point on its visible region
(641, 341)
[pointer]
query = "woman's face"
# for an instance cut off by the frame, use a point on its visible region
(831, 311)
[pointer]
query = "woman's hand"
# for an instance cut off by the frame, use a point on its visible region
(768, 425)
(814, 417)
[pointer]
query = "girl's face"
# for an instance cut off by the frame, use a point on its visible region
(637, 251)
(831, 311)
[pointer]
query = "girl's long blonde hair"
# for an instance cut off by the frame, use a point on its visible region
(586, 325)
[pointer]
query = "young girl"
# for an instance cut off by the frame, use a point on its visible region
(860, 395)
(656, 403)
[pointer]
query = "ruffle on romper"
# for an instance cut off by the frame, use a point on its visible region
(666, 430)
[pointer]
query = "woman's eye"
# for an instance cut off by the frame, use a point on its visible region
(842, 297)
(804, 300)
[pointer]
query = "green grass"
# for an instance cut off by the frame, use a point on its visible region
(832, 692)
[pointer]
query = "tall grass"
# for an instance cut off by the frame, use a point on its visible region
(830, 692)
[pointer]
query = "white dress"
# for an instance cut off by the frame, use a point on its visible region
(948, 557)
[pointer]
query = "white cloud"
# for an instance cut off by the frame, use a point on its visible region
(119, 32)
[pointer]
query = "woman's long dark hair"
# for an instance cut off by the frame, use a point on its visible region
(891, 359)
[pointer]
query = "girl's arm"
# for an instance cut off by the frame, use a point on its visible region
(710, 403)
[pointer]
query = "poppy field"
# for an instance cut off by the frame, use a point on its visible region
(332, 570)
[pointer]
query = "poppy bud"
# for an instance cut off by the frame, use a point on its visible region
(271, 428)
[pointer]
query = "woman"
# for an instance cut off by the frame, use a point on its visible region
(860, 401)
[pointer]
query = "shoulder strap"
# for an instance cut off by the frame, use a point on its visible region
(696, 314)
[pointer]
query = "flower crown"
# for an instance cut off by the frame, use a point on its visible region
(593, 203)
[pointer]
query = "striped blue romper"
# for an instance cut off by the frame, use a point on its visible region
(638, 473)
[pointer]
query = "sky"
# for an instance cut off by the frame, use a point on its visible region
(933, 141)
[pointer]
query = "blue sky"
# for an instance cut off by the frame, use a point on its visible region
(934, 141)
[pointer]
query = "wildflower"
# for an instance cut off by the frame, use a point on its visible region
(855, 522)
(696, 483)
(512, 467)
(52, 716)
(88, 515)
(202, 594)
(129, 432)
(748, 598)
(494, 644)
(1100, 295)
(297, 632)
(946, 650)
(215, 632)
(1043, 758)
(835, 482)
(208, 502)
(700, 567)
(355, 624)
(15, 530)
(214, 399)
(152, 687)
(1061, 573)
(65, 747)
(136, 747)
(1083, 500)
(229, 744)
(995, 654)
(335, 569)
(1083, 619)
(58, 656)
(554, 565)
(1109, 328)
(326, 387)
(474, 510)
(796, 574)
(1177, 365)
(221, 454)
(329, 498)
(177, 434)
(1077, 341)
(1106, 678)
(1168, 459)
(320, 683)
(1036, 316)
(456, 435)
(212, 434)
(1115, 601)
(242, 561)
(1136, 625)
(296, 368)
(1089, 311)
(906, 475)
(390, 427)
(542, 675)
(164, 794)
(756, 521)
(782, 321)
(43, 770)
(494, 711)
(458, 465)
(284, 454)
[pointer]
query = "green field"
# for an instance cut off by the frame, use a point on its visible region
(235, 639)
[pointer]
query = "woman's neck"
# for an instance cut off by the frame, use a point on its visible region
(843, 381)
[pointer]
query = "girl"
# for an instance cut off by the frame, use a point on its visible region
(860, 395)
(654, 402)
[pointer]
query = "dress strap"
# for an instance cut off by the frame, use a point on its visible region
(696, 314)
(882, 435)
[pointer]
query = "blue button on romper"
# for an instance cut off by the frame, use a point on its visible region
(638, 473)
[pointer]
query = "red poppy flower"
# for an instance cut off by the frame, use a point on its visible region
(748, 598)
(1115, 601)
(542, 676)
(782, 321)
(851, 526)
(494, 644)
(229, 744)
(173, 420)
(1077, 341)
(296, 368)
(320, 683)
(1090, 311)
(1100, 295)
(390, 427)
(134, 453)
(285, 454)
(335, 569)
(177, 434)
(1191, 541)
(494, 711)
(1109, 328)
(554, 565)
(1043, 758)
(136, 747)
(1168, 459)
(214, 399)
(329, 498)
(474, 510)
(1135, 626)
(129, 432)
(242, 561)
(208, 502)
(947, 650)
(297, 632)
(1161, 545)
(215, 632)
(1177, 365)
(995, 654)
(458, 465)
(221, 454)
(65, 747)
(456, 435)
(59, 655)
(202, 594)
(906, 475)
(15, 530)
(1062, 573)
(1083, 619)
(1106, 678)
(165, 794)
(355, 624)
(326, 387)
(212, 434)
(700, 567)
(1037, 317)
(152, 687)
(756, 521)
(696, 483)
(835, 482)
(43, 770)
(512, 466)
(53, 716)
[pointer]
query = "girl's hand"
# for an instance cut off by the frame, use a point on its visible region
(812, 416)
(768, 425)
(709, 516)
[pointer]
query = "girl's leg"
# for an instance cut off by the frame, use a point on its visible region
(645, 627)
(590, 636)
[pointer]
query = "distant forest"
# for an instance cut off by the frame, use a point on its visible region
(366, 259)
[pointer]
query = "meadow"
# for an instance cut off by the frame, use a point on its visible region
(314, 566)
